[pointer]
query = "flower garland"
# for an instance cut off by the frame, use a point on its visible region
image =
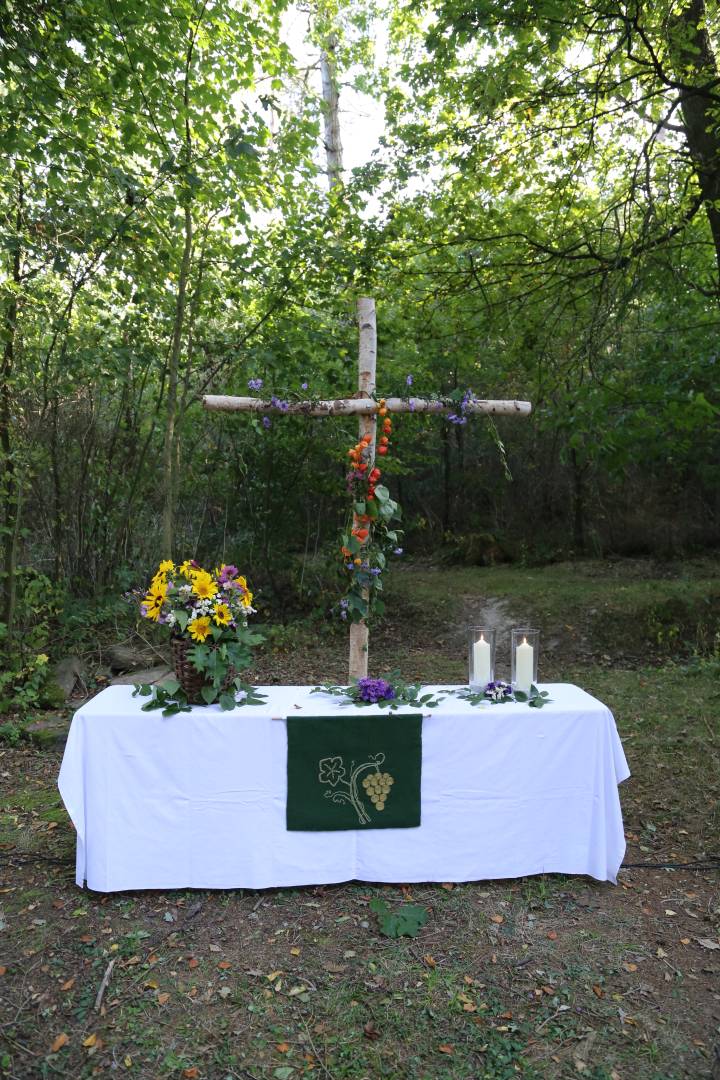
(366, 544)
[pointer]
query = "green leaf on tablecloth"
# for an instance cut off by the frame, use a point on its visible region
(171, 685)
(227, 702)
(143, 689)
(403, 921)
(520, 695)
(208, 694)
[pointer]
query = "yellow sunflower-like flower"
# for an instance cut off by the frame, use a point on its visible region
(222, 614)
(246, 599)
(153, 603)
(203, 585)
(199, 628)
(187, 569)
(166, 566)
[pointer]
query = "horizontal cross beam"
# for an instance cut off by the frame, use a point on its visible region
(363, 406)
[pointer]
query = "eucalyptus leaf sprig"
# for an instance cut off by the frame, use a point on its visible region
(172, 699)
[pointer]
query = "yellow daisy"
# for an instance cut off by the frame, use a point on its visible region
(203, 585)
(187, 569)
(166, 567)
(246, 600)
(199, 628)
(222, 615)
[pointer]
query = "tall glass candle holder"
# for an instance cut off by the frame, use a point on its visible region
(524, 650)
(481, 656)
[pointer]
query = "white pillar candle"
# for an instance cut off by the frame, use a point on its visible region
(524, 656)
(482, 668)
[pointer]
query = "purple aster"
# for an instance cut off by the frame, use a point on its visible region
(266, 421)
(398, 551)
(376, 571)
(278, 403)
(255, 384)
(412, 405)
(409, 380)
(373, 690)
(303, 386)
(228, 572)
(343, 603)
(455, 419)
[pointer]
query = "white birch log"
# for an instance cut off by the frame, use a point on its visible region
(367, 362)
(364, 406)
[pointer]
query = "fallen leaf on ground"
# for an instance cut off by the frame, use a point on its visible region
(59, 1042)
(447, 885)
(224, 964)
(708, 943)
(68, 985)
(684, 940)
(3, 970)
(215, 948)
(282, 1048)
(273, 976)
(630, 967)
(598, 991)
(446, 1048)
(669, 911)
(191, 1073)
(497, 919)
(162, 999)
(295, 952)
(90, 1041)
(429, 960)
(552, 935)
(370, 1031)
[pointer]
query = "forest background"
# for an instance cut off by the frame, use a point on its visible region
(539, 219)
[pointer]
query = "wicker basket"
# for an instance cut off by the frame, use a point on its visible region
(191, 680)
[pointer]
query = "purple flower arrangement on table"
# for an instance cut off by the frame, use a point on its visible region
(388, 692)
(374, 690)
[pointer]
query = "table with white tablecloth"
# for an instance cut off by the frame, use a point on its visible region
(198, 799)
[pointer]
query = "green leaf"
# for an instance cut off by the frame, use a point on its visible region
(403, 921)
(171, 685)
(181, 618)
(227, 702)
(208, 694)
(381, 493)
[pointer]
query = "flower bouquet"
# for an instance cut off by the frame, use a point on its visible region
(207, 615)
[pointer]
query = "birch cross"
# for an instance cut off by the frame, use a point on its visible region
(365, 407)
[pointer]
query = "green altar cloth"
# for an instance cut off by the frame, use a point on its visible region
(354, 772)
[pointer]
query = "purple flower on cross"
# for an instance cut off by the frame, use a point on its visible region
(255, 384)
(266, 422)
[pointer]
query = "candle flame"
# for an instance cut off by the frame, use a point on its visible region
(482, 637)
(524, 641)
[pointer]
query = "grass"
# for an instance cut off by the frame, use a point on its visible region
(540, 977)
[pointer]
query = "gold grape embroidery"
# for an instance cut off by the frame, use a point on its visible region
(377, 785)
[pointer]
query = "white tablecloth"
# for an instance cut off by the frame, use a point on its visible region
(198, 799)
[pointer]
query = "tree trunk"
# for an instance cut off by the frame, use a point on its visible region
(9, 483)
(695, 66)
(331, 112)
(170, 447)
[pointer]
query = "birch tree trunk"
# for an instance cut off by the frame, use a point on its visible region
(331, 111)
(367, 425)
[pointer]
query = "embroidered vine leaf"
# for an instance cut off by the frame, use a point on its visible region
(404, 921)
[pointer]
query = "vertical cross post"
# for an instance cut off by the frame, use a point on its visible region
(367, 425)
